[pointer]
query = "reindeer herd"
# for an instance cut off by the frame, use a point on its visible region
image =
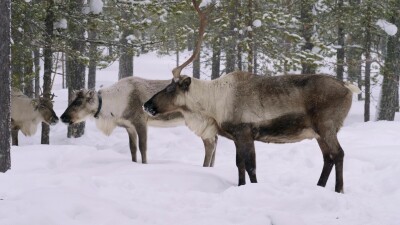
(240, 106)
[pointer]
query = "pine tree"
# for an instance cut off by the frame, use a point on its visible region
(5, 64)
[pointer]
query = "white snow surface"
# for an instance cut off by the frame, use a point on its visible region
(91, 180)
(388, 27)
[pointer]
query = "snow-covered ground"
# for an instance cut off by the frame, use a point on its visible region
(91, 180)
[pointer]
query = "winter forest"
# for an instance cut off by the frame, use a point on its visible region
(57, 56)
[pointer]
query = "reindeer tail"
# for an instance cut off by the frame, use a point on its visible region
(353, 88)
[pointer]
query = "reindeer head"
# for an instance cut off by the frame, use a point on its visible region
(169, 99)
(45, 108)
(84, 104)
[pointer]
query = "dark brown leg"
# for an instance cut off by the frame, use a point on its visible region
(333, 155)
(246, 161)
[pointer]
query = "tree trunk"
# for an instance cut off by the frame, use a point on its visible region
(92, 60)
(306, 19)
(36, 60)
(216, 59)
(28, 74)
(340, 51)
(367, 77)
(126, 58)
(388, 101)
(48, 64)
(196, 66)
(5, 67)
(250, 44)
(231, 43)
(75, 69)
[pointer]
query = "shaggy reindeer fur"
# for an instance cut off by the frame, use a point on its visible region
(282, 109)
(122, 106)
(27, 113)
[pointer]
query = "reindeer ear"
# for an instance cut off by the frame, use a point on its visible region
(90, 96)
(185, 83)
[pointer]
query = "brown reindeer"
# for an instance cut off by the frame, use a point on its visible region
(282, 109)
(27, 113)
(245, 107)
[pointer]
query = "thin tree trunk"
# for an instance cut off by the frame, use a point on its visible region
(340, 51)
(306, 19)
(216, 59)
(367, 77)
(196, 67)
(48, 64)
(126, 58)
(367, 81)
(92, 60)
(250, 44)
(231, 43)
(36, 60)
(28, 74)
(5, 67)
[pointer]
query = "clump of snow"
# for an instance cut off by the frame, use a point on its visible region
(96, 6)
(61, 24)
(389, 28)
(257, 23)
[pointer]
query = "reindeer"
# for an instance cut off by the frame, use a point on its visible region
(121, 105)
(245, 107)
(27, 113)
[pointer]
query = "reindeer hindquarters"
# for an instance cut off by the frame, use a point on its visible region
(210, 146)
(132, 142)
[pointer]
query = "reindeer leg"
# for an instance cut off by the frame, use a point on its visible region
(132, 142)
(240, 163)
(246, 161)
(333, 155)
(142, 134)
(209, 146)
(14, 136)
(215, 151)
(251, 162)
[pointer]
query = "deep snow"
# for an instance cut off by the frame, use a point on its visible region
(91, 180)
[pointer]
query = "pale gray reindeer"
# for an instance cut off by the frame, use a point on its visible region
(27, 113)
(122, 105)
(245, 107)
